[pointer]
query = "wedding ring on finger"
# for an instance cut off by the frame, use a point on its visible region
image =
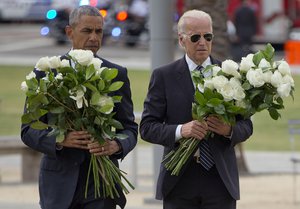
(102, 149)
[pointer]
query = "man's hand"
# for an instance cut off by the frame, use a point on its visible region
(218, 126)
(108, 148)
(76, 139)
(194, 129)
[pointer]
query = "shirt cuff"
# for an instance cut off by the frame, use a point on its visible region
(178, 133)
(230, 135)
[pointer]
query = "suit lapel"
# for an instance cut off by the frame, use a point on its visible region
(183, 76)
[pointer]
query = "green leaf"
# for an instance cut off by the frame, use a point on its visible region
(26, 118)
(90, 71)
(214, 102)
(115, 86)
(91, 87)
(109, 73)
(220, 109)
(106, 108)
(269, 52)
(95, 98)
(199, 98)
(39, 125)
(117, 99)
(57, 110)
(257, 58)
(43, 87)
(262, 106)
(32, 84)
(101, 85)
(66, 70)
(274, 113)
(116, 124)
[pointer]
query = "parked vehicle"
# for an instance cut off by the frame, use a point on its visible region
(24, 10)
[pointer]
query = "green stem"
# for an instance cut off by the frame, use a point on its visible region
(59, 102)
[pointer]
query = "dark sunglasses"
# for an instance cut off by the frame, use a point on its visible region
(196, 37)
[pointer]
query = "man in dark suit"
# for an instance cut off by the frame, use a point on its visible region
(64, 165)
(167, 118)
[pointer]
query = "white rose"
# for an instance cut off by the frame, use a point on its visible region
(238, 94)
(99, 71)
(267, 76)
(106, 100)
(219, 81)
(24, 86)
(284, 68)
(241, 103)
(284, 90)
(276, 79)
(264, 63)
(227, 92)
(83, 57)
(208, 83)
(200, 87)
(96, 62)
(79, 98)
(43, 64)
(231, 68)
(247, 63)
(30, 75)
(59, 76)
(215, 70)
(288, 79)
(235, 83)
(65, 63)
(255, 77)
(55, 62)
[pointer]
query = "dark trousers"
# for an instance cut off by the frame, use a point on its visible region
(80, 201)
(199, 189)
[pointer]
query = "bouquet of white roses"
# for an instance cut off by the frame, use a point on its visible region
(257, 84)
(75, 93)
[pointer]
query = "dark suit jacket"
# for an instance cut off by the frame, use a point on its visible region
(59, 170)
(169, 103)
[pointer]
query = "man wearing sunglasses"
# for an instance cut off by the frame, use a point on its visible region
(167, 118)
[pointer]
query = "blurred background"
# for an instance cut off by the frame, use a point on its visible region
(29, 29)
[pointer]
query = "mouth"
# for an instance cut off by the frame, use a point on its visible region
(201, 50)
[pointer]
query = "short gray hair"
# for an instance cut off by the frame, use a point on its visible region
(191, 13)
(82, 10)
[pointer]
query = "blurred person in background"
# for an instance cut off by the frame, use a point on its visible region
(245, 23)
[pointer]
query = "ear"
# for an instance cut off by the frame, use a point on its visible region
(69, 31)
(180, 40)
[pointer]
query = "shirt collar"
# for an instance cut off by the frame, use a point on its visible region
(192, 66)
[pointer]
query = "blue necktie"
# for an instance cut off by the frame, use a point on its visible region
(206, 158)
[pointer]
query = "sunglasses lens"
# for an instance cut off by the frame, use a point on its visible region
(208, 36)
(195, 38)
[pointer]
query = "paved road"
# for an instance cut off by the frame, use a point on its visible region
(139, 166)
(22, 45)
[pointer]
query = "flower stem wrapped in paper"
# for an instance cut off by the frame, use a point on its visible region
(76, 97)
(258, 83)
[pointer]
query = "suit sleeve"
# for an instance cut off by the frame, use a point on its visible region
(124, 114)
(241, 131)
(38, 139)
(153, 127)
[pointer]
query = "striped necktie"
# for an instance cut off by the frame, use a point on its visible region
(206, 158)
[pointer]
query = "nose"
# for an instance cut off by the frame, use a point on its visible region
(93, 37)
